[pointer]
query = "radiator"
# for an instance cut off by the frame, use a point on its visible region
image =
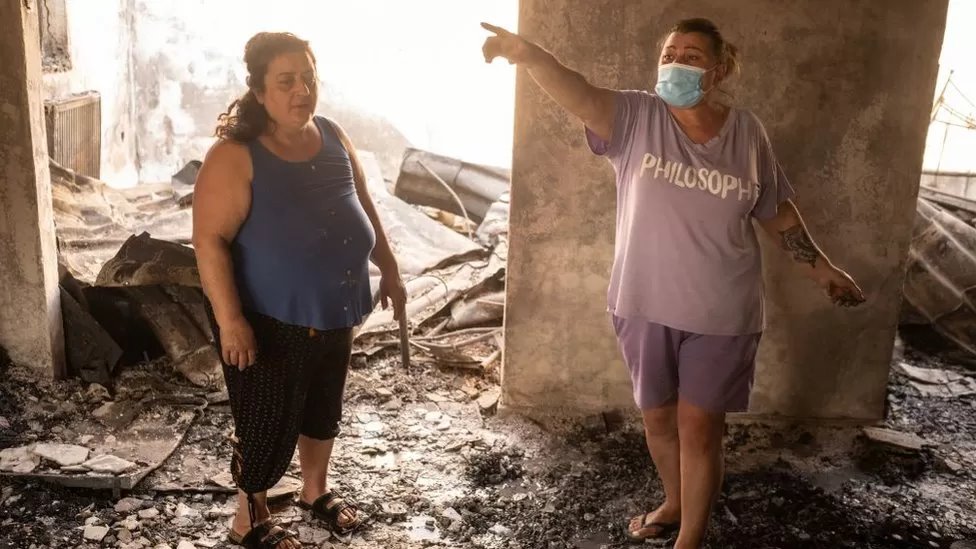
(74, 132)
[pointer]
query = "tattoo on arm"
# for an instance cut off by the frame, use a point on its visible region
(797, 242)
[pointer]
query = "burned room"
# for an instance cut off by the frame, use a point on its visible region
(507, 274)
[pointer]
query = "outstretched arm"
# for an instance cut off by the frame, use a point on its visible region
(595, 106)
(788, 229)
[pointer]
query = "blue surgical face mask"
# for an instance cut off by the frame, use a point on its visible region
(680, 85)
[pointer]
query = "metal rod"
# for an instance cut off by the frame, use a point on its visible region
(457, 198)
(404, 340)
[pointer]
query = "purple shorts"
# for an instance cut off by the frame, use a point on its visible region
(713, 372)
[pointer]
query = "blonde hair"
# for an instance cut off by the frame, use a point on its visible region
(725, 51)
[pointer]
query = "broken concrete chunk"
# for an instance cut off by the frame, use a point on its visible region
(63, 454)
(131, 522)
(500, 531)
(19, 460)
(97, 393)
(312, 535)
(95, 533)
(184, 510)
(74, 469)
(488, 401)
(217, 511)
(147, 514)
(906, 441)
(927, 375)
(118, 414)
(184, 544)
(109, 464)
(451, 514)
(224, 480)
(374, 427)
(934, 382)
(953, 467)
(394, 510)
(127, 505)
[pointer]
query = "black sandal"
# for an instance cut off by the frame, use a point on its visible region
(263, 535)
(328, 507)
(664, 529)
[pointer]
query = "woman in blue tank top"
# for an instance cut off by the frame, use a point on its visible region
(284, 230)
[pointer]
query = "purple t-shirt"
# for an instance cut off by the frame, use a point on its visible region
(686, 253)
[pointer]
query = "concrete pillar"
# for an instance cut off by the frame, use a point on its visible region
(844, 91)
(30, 306)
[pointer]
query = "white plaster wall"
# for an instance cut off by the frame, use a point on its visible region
(99, 38)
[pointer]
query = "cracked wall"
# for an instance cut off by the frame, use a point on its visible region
(844, 91)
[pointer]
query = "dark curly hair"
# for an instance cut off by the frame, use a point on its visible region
(246, 118)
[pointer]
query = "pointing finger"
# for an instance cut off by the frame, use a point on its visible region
(497, 30)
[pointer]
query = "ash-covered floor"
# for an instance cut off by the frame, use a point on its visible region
(433, 467)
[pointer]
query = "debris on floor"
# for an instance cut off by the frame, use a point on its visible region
(135, 452)
(936, 382)
(425, 457)
(147, 298)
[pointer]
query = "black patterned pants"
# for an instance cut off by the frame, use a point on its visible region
(295, 387)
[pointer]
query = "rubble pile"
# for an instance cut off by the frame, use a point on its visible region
(423, 455)
(134, 295)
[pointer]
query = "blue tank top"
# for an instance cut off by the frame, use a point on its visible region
(302, 254)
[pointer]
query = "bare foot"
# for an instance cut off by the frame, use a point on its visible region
(656, 524)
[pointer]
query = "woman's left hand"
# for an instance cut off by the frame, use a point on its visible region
(392, 291)
(841, 288)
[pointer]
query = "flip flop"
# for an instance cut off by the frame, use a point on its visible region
(664, 529)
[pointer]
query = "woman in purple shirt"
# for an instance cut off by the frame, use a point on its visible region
(685, 293)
